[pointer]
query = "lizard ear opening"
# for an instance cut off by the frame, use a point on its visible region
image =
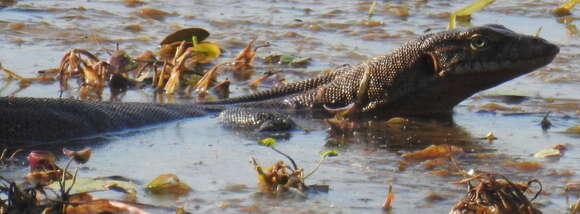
(432, 63)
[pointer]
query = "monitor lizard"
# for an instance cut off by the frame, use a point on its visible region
(425, 76)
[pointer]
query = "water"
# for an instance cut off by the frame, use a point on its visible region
(210, 158)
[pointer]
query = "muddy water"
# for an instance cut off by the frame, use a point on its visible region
(212, 159)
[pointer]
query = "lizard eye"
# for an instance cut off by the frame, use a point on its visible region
(477, 42)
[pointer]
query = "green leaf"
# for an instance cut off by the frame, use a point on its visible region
(167, 184)
(206, 52)
(329, 153)
(467, 11)
(270, 142)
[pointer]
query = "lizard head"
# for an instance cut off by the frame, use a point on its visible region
(459, 63)
(487, 50)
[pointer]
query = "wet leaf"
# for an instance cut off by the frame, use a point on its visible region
(102, 206)
(235, 188)
(548, 153)
(246, 57)
(497, 107)
(287, 60)
(565, 173)
(564, 9)
(398, 10)
(267, 142)
(329, 153)
(573, 130)
(432, 152)
(397, 120)
(81, 156)
(527, 166)
(168, 184)
(431, 164)
(133, 28)
(186, 35)
(300, 62)
(440, 172)
(256, 82)
(133, 3)
(86, 185)
(467, 11)
(434, 197)
(388, 204)
(153, 13)
(205, 52)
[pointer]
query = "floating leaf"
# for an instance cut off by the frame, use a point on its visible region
(85, 185)
(548, 153)
(527, 166)
(432, 152)
(268, 142)
(573, 130)
(300, 62)
(85, 204)
(133, 28)
(153, 13)
(497, 107)
(168, 184)
(186, 34)
(287, 60)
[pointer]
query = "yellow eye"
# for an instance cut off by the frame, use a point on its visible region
(477, 42)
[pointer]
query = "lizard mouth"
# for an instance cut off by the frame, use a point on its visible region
(523, 56)
(507, 66)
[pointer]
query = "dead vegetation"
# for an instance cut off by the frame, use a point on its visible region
(495, 193)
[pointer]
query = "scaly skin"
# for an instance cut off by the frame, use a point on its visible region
(428, 75)
(425, 76)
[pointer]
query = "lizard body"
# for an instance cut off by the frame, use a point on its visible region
(425, 76)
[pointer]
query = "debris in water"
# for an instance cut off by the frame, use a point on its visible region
(168, 184)
(495, 193)
(564, 9)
